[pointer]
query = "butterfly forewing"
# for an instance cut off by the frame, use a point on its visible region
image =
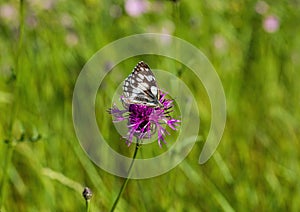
(140, 87)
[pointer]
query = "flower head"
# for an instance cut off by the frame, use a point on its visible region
(136, 8)
(271, 24)
(87, 193)
(261, 7)
(144, 121)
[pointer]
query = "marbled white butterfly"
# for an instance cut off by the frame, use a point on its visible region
(140, 87)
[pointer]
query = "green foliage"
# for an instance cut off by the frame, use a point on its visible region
(45, 44)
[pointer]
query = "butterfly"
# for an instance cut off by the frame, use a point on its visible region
(140, 87)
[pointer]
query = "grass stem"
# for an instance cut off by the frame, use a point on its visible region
(11, 141)
(128, 177)
(87, 205)
(9, 151)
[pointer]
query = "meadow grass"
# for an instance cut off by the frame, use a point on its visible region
(45, 44)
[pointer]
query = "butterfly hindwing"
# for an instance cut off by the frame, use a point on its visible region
(140, 87)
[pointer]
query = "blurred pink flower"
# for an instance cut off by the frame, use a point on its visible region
(42, 4)
(8, 12)
(219, 42)
(115, 11)
(71, 39)
(165, 37)
(271, 24)
(261, 7)
(32, 21)
(48, 4)
(66, 20)
(136, 7)
(165, 28)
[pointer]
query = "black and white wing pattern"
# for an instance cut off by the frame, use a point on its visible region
(140, 87)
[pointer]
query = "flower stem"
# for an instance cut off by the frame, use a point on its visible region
(87, 205)
(128, 177)
(87, 195)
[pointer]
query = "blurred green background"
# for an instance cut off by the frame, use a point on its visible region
(255, 48)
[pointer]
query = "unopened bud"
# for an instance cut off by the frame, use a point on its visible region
(87, 193)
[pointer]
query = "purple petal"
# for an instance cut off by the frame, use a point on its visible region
(117, 114)
(144, 120)
(172, 123)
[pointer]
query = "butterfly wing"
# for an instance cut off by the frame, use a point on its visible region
(140, 87)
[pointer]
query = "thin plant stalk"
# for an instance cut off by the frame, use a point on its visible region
(128, 177)
(10, 149)
(87, 194)
(176, 12)
(11, 141)
(87, 205)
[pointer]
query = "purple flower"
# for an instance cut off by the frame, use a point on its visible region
(144, 121)
(136, 8)
(87, 193)
(8, 12)
(271, 24)
(220, 43)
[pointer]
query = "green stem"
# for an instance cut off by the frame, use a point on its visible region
(20, 40)
(87, 205)
(176, 12)
(10, 149)
(11, 142)
(128, 177)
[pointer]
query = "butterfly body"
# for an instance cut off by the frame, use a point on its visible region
(140, 87)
